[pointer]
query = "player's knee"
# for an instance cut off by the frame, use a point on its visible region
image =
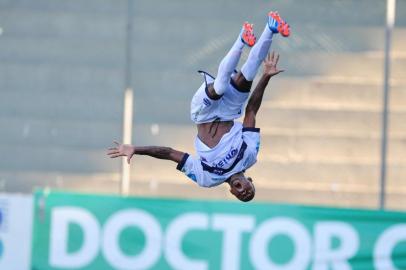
(220, 86)
(212, 93)
(241, 83)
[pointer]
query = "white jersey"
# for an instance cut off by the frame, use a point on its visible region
(236, 152)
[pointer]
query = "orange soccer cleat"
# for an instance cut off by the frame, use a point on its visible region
(247, 34)
(277, 25)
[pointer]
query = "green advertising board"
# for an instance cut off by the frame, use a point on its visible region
(79, 231)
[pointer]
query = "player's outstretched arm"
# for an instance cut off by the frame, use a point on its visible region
(270, 70)
(128, 150)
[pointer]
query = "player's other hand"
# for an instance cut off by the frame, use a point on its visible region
(270, 63)
(121, 150)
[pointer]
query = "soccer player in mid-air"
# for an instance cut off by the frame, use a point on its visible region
(225, 148)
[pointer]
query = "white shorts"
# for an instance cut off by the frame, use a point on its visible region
(228, 107)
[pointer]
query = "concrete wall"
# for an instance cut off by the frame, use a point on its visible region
(62, 79)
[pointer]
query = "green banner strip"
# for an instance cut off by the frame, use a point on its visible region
(79, 231)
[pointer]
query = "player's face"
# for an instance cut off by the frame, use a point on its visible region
(242, 187)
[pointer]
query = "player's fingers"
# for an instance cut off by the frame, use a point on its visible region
(272, 56)
(116, 142)
(112, 152)
(277, 59)
(279, 71)
(112, 148)
(116, 155)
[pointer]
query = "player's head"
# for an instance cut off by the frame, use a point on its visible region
(242, 187)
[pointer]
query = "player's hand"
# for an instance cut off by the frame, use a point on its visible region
(270, 63)
(121, 150)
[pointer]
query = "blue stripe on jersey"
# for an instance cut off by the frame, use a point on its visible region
(182, 162)
(221, 171)
(252, 129)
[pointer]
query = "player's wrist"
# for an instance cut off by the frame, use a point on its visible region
(267, 76)
(133, 150)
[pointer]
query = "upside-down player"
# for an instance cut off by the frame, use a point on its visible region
(225, 148)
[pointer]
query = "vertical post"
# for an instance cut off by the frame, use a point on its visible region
(127, 134)
(390, 22)
(128, 101)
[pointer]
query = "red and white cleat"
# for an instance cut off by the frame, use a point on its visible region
(247, 34)
(277, 25)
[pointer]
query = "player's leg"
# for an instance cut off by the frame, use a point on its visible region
(258, 53)
(230, 61)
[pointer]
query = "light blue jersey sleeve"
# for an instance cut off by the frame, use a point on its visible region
(252, 138)
(192, 168)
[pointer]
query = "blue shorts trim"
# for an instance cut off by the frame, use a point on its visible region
(206, 89)
(234, 85)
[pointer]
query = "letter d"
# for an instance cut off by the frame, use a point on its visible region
(61, 217)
